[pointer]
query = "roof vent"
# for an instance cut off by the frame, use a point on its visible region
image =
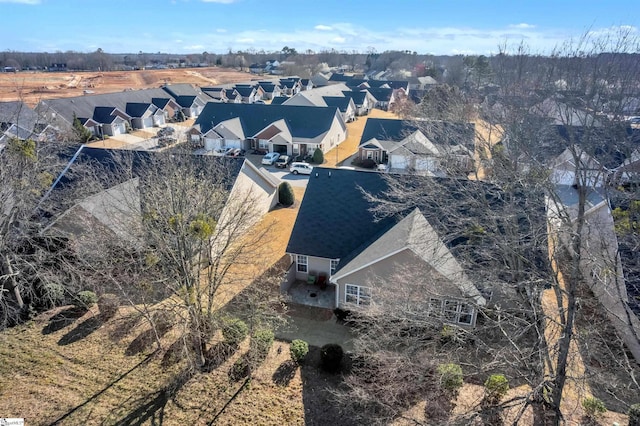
(329, 174)
(316, 175)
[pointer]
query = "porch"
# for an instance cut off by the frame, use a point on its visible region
(311, 295)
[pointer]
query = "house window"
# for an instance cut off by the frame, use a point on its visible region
(302, 262)
(357, 295)
(334, 265)
(370, 155)
(263, 144)
(458, 312)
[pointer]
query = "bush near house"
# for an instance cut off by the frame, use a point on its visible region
(593, 407)
(298, 350)
(108, 305)
(450, 377)
(318, 156)
(234, 330)
(261, 341)
(495, 388)
(286, 195)
(367, 163)
(331, 357)
(85, 299)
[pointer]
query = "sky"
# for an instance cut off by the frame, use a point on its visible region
(440, 27)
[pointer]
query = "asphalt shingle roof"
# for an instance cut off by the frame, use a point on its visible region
(303, 121)
(335, 219)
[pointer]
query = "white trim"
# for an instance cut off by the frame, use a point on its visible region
(360, 297)
(299, 257)
(393, 253)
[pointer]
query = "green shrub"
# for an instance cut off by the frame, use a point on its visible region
(367, 163)
(331, 357)
(52, 293)
(298, 350)
(318, 156)
(234, 330)
(495, 387)
(286, 196)
(593, 407)
(450, 377)
(634, 415)
(85, 299)
(108, 305)
(261, 341)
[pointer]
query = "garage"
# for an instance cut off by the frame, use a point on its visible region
(281, 149)
(398, 161)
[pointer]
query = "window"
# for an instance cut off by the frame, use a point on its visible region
(458, 312)
(357, 295)
(302, 262)
(263, 144)
(334, 265)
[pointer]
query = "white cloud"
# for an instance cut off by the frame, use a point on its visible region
(220, 1)
(221, 30)
(522, 26)
(323, 28)
(338, 39)
(21, 1)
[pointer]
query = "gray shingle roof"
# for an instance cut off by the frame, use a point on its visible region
(335, 219)
(304, 122)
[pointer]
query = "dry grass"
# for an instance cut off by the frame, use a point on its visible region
(346, 149)
(32, 87)
(45, 376)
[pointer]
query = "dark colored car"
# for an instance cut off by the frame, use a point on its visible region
(283, 161)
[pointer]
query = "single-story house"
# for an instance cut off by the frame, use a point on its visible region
(420, 146)
(116, 209)
(345, 255)
(294, 130)
(145, 115)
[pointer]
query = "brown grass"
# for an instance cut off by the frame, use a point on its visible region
(346, 149)
(32, 87)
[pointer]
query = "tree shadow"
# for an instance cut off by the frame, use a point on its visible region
(122, 376)
(124, 326)
(320, 406)
(147, 338)
(285, 373)
(81, 331)
(150, 408)
(218, 354)
(63, 319)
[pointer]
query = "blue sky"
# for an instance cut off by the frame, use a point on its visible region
(193, 26)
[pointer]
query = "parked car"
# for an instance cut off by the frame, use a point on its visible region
(235, 152)
(270, 158)
(283, 161)
(221, 152)
(301, 168)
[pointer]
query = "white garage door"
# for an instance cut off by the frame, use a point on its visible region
(398, 162)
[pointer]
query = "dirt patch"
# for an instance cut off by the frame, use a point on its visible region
(32, 87)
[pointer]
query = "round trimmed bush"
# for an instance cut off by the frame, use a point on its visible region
(234, 330)
(298, 350)
(331, 357)
(108, 305)
(593, 407)
(450, 377)
(495, 387)
(318, 156)
(85, 299)
(261, 341)
(286, 195)
(634, 415)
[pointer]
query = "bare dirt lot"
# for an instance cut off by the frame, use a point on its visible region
(32, 86)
